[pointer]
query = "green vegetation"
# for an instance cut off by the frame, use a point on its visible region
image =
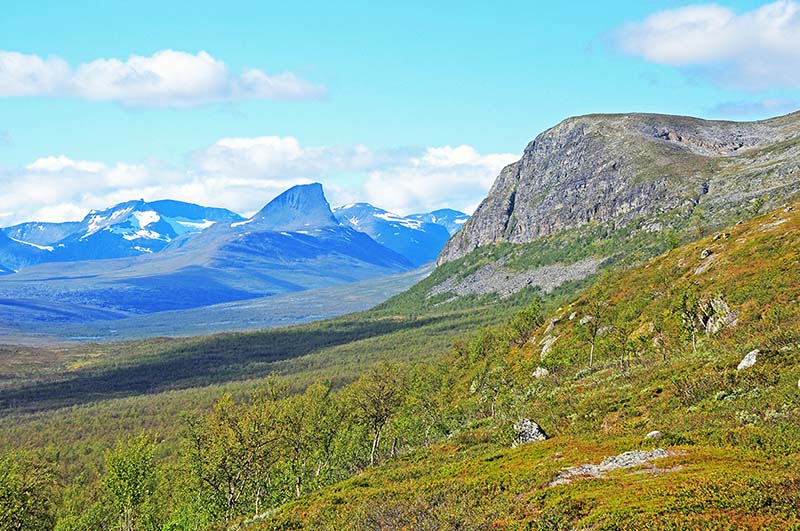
(413, 430)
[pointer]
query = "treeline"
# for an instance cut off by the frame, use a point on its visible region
(242, 459)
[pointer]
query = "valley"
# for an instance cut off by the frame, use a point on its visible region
(623, 331)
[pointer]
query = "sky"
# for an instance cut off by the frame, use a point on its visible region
(411, 106)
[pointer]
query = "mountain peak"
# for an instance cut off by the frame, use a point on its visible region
(300, 207)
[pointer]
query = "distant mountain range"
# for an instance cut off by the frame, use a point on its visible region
(135, 228)
(419, 241)
(142, 257)
(129, 229)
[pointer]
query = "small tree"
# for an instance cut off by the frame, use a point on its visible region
(231, 453)
(26, 494)
(591, 324)
(129, 480)
(308, 429)
(686, 310)
(377, 396)
(525, 322)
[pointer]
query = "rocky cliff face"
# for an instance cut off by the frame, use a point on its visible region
(618, 168)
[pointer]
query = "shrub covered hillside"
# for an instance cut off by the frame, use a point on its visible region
(648, 360)
(664, 397)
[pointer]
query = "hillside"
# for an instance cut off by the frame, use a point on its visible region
(726, 443)
(652, 348)
(601, 191)
(406, 416)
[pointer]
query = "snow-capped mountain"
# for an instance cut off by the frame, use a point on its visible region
(16, 254)
(293, 244)
(128, 229)
(41, 233)
(450, 219)
(418, 240)
(170, 255)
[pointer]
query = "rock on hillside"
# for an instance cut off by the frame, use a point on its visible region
(618, 168)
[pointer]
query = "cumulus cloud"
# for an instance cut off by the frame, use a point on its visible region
(244, 173)
(455, 177)
(752, 50)
(166, 78)
(60, 162)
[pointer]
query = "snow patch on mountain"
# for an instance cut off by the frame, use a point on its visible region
(405, 222)
(42, 247)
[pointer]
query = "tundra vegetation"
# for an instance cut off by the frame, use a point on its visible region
(341, 436)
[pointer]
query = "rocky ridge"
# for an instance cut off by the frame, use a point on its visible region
(615, 169)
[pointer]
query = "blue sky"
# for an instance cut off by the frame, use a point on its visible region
(398, 79)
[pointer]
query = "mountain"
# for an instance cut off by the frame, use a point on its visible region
(128, 229)
(41, 233)
(450, 219)
(652, 172)
(134, 228)
(417, 240)
(301, 207)
(227, 261)
(16, 254)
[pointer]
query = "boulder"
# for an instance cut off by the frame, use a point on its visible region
(716, 315)
(528, 431)
(655, 434)
(540, 372)
(749, 360)
(547, 344)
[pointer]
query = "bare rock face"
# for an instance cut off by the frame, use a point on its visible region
(619, 168)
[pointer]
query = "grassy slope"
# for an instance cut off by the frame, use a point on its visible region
(735, 433)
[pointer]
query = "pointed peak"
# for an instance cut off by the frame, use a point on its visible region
(300, 207)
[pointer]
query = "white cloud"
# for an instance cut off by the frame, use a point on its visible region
(244, 173)
(30, 75)
(273, 157)
(60, 162)
(455, 177)
(753, 50)
(166, 78)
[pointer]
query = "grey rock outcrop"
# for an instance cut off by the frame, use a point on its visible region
(716, 315)
(494, 278)
(624, 460)
(527, 431)
(620, 168)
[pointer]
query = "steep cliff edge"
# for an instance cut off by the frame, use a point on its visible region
(615, 169)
